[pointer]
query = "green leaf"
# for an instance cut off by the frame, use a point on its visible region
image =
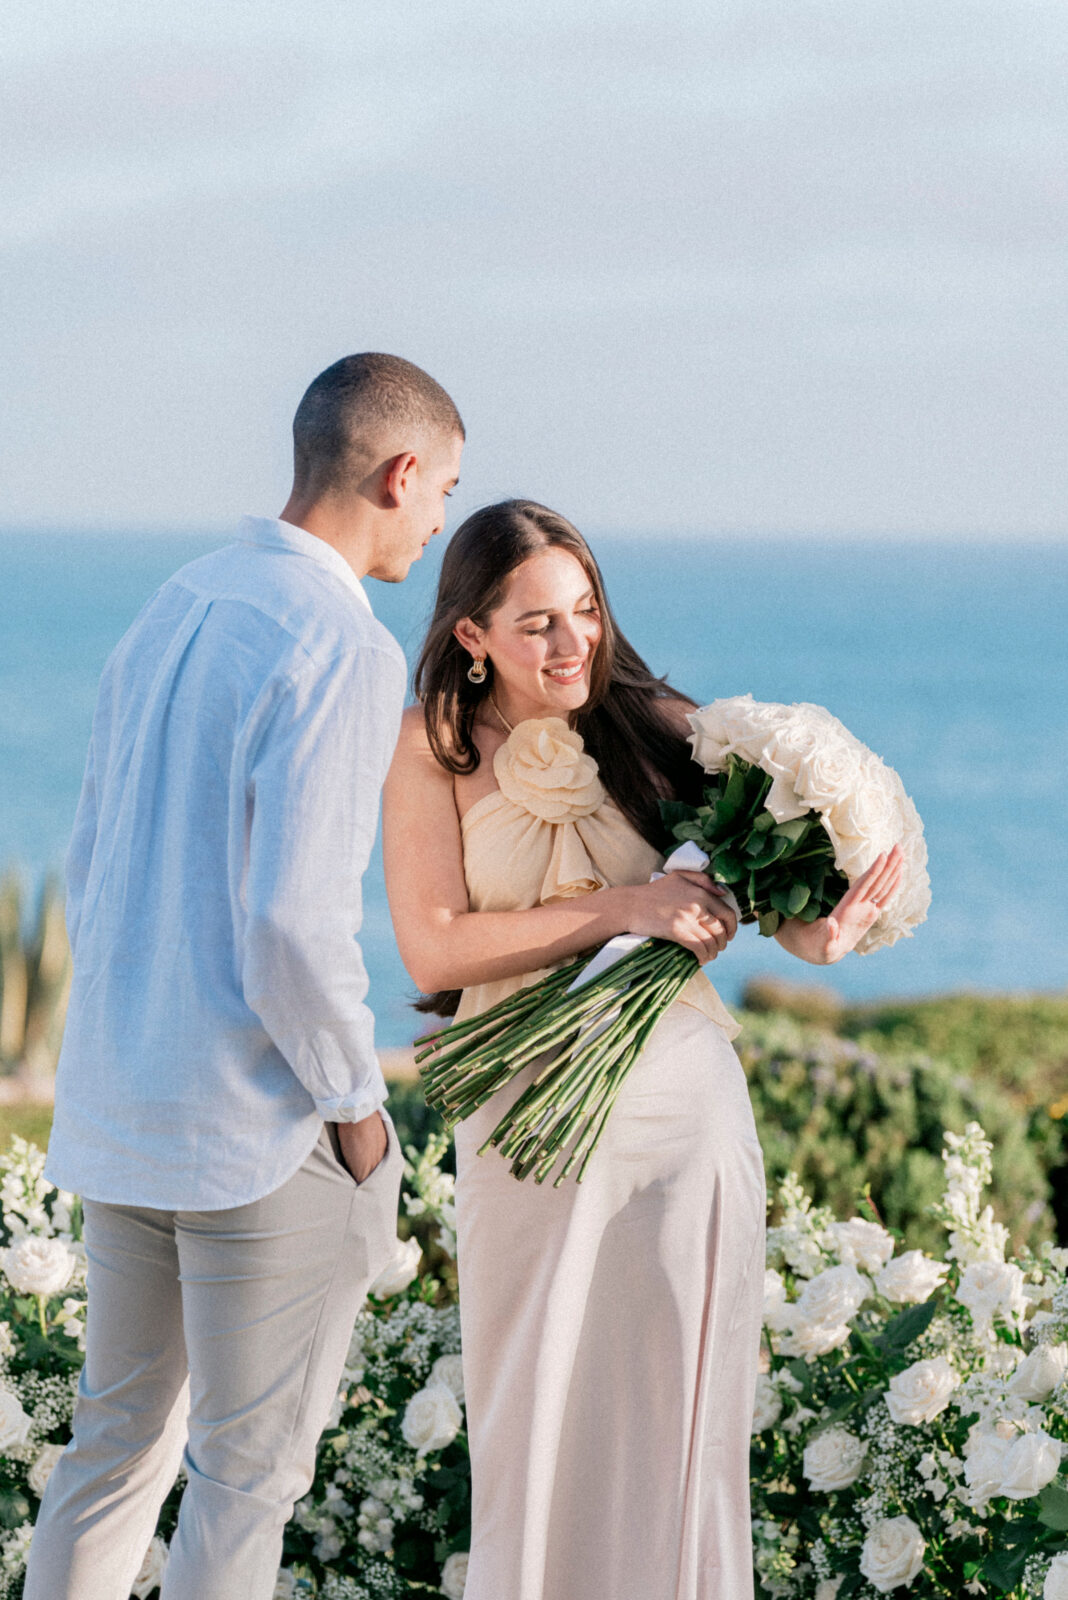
(798, 900)
(734, 793)
(729, 868)
(793, 831)
(688, 830)
(780, 899)
(1005, 1567)
(811, 912)
(908, 1325)
(769, 923)
(724, 814)
(755, 845)
(764, 823)
(672, 812)
(1053, 1508)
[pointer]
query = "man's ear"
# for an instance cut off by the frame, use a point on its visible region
(398, 476)
(470, 636)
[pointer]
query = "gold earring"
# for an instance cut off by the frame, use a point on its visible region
(476, 672)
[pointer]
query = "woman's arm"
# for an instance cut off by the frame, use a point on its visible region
(828, 939)
(445, 945)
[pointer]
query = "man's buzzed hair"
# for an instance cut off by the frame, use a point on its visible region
(363, 409)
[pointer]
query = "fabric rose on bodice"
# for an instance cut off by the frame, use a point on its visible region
(543, 767)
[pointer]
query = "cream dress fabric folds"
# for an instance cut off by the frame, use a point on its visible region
(610, 1328)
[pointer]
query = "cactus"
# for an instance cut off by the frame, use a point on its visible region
(34, 980)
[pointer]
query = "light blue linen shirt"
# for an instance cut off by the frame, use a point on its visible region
(242, 733)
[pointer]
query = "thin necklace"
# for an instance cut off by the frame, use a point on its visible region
(504, 720)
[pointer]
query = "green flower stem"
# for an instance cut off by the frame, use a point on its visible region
(42, 1314)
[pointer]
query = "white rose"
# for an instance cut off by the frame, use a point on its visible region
(832, 1296)
(984, 1461)
(910, 1278)
(400, 1270)
(449, 1370)
(454, 1575)
(767, 1404)
(1040, 1372)
(1056, 1584)
(38, 1266)
(921, 1392)
(987, 1287)
(811, 1339)
(14, 1423)
(1032, 1461)
(862, 1244)
(892, 1554)
(833, 1460)
(829, 776)
(43, 1468)
(432, 1419)
(152, 1569)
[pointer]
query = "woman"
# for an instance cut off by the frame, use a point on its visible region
(610, 1329)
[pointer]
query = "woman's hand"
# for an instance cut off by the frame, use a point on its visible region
(686, 907)
(829, 938)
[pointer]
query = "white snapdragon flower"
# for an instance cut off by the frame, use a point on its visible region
(767, 1404)
(399, 1271)
(1040, 1372)
(892, 1554)
(432, 1419)
(833, 1460)
(990, 1287)
(1056, 1584)
(921, 1392)
(38, 1266)
(862, 1244)
(150, 1575)
(454, 1575)
(910, 1278)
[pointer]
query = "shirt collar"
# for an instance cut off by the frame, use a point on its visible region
(273, 534)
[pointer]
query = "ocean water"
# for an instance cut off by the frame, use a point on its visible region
(950, 660)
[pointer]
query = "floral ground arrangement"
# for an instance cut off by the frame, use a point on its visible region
(909, 1432)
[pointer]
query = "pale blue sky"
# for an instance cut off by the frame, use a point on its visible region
(736, 266)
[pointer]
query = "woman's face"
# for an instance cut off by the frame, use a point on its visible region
(541, 638)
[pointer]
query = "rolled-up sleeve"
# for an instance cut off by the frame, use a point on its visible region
(312, 798)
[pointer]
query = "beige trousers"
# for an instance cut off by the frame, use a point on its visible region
(221, 1334)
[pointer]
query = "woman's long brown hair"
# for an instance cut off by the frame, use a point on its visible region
(641, 757)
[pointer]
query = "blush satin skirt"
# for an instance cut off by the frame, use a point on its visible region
(611, 1334)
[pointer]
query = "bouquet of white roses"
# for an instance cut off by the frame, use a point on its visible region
(911, 1421)
(795, 810)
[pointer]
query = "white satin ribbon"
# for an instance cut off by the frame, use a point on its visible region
(688, 857)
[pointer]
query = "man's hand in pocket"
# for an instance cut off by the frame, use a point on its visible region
(363, 1145)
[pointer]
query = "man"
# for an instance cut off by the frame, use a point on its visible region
(217, 1100)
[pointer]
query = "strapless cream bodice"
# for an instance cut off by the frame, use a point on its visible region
(550, 832)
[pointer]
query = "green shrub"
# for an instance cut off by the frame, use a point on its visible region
(843, 1114)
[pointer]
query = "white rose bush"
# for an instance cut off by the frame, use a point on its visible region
(388, 1514)
(910, 1426)
(794, 809)
(42, 1311)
